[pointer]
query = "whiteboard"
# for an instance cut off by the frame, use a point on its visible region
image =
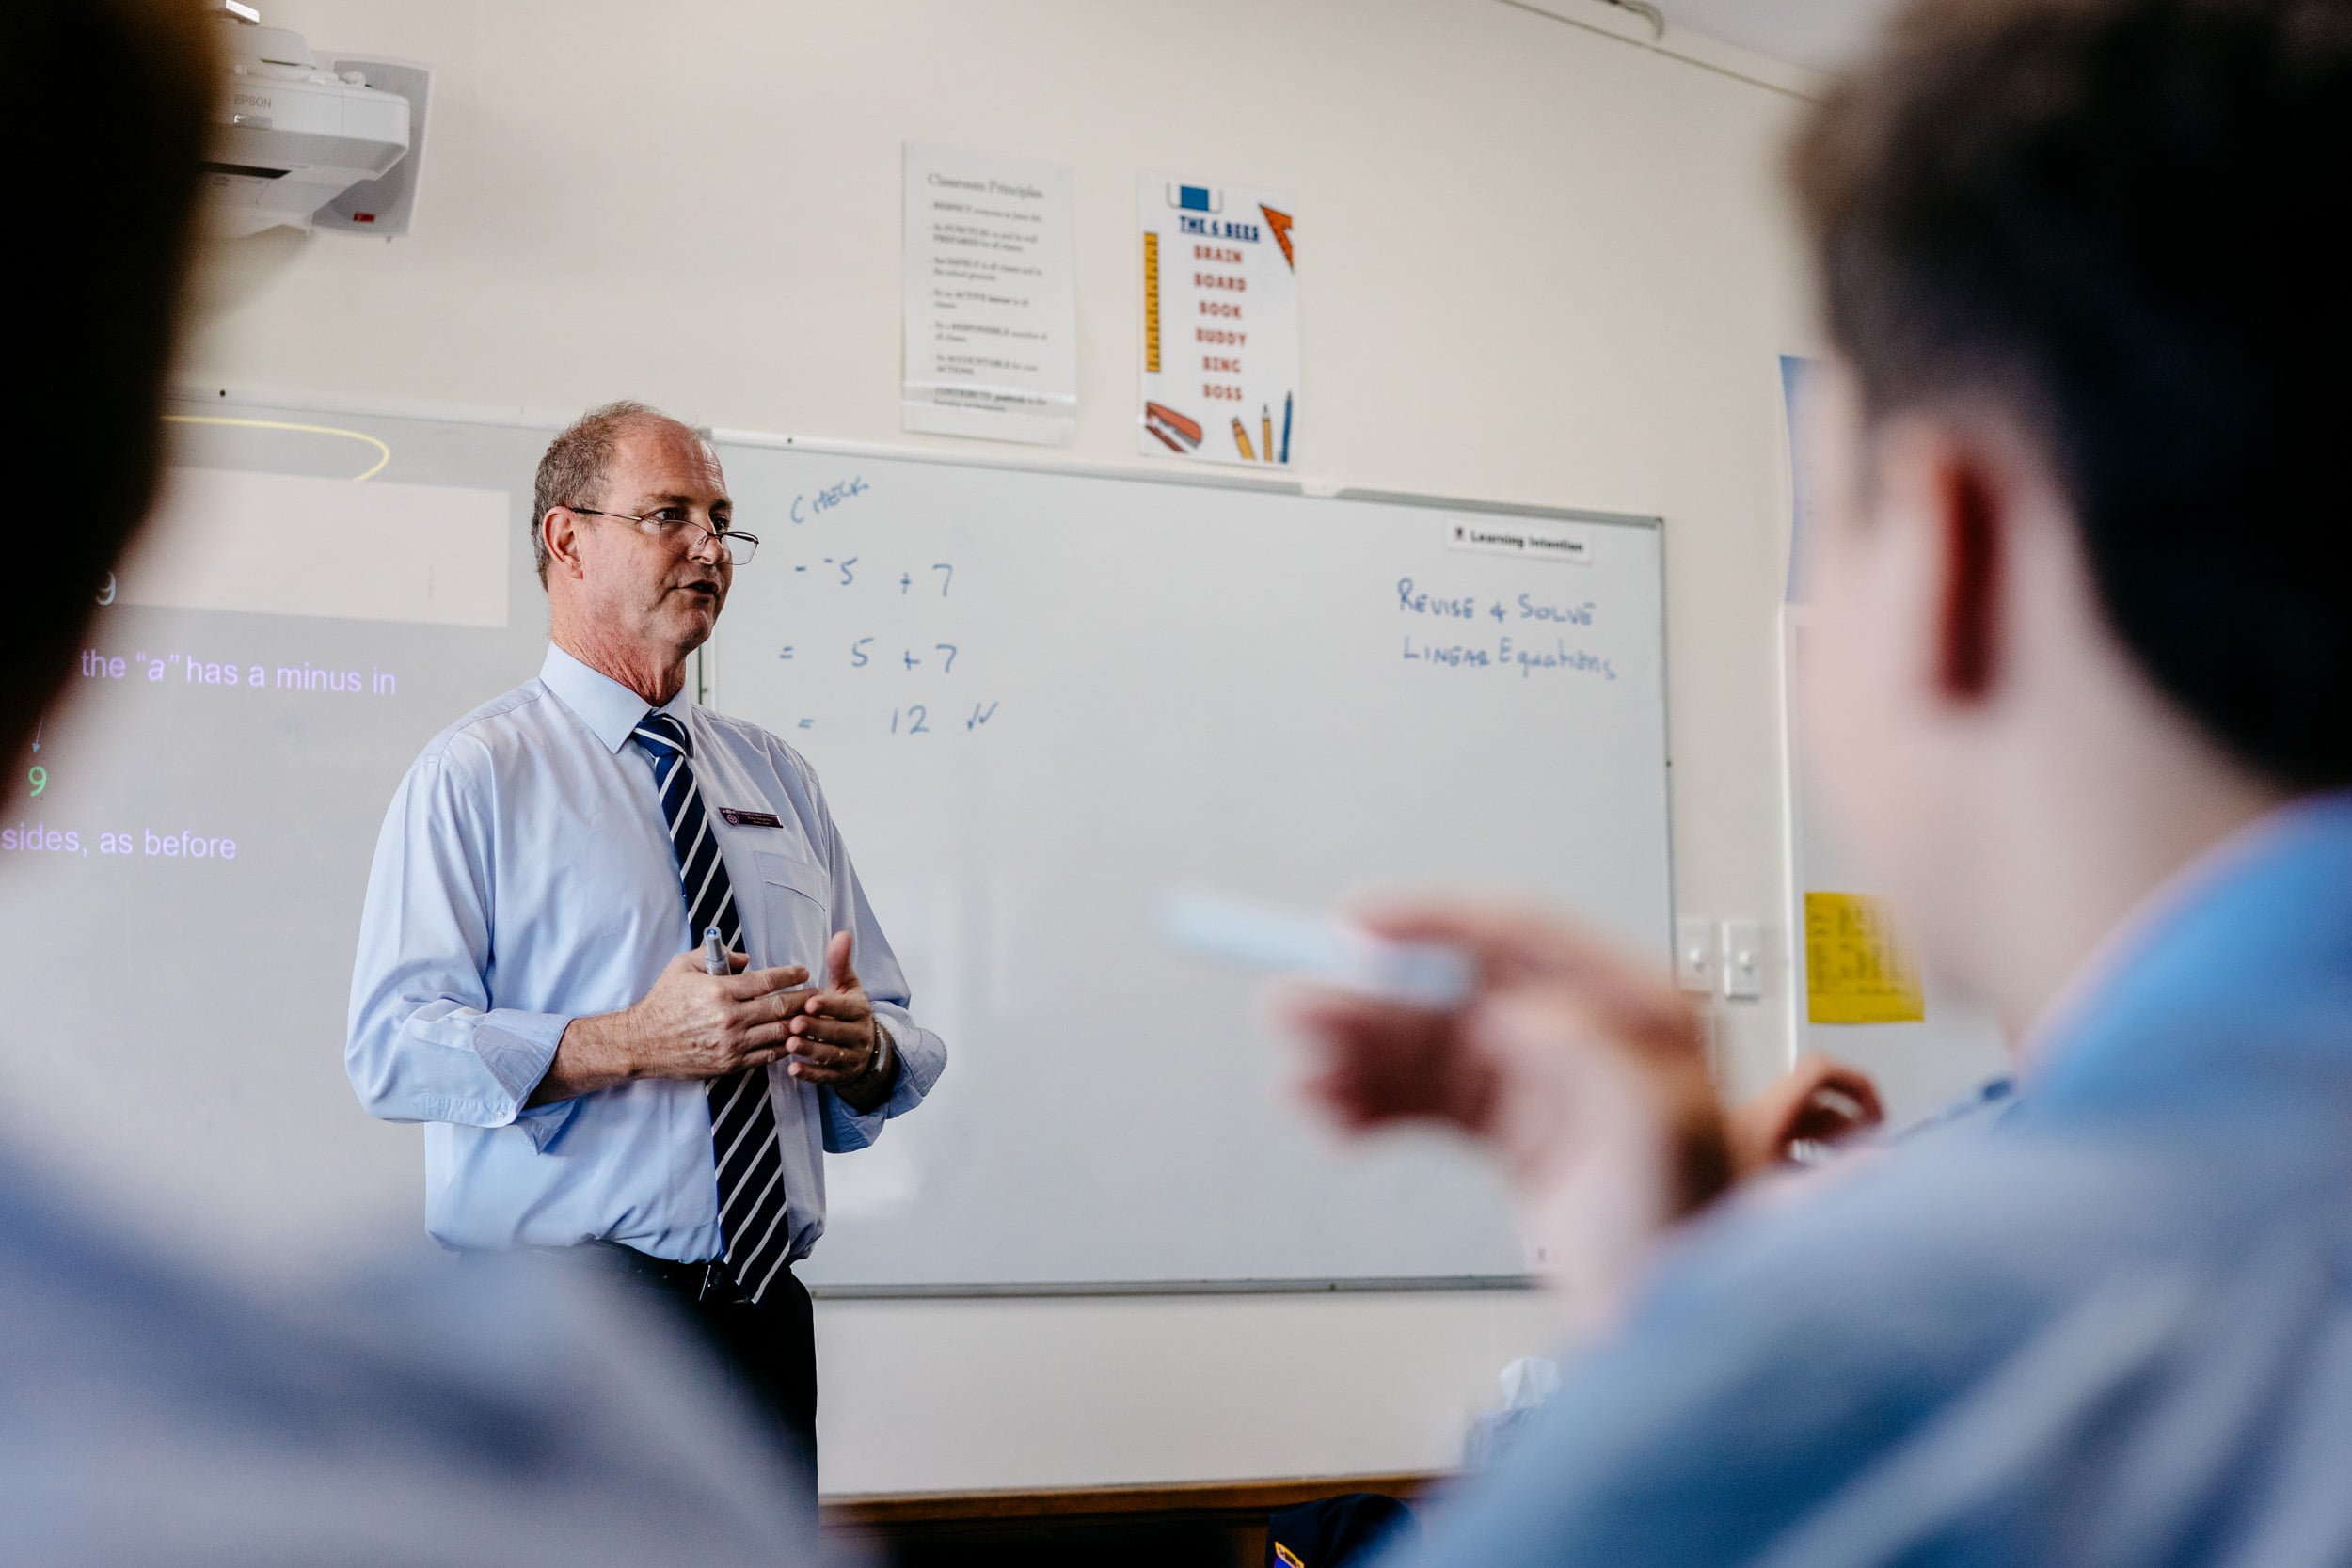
(1152, 684)
(1039, 700)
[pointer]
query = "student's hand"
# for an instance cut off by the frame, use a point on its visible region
(834, 1041)
(1583, 1071)
(1818, 1100)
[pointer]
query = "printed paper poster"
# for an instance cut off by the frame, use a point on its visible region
(1854, 972)
(1221, 322)
(1799, 403)
(991, 324)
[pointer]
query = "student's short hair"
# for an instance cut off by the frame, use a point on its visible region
(2122, 221)
(100, 240)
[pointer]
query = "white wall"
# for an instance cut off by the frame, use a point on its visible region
(1538, 263)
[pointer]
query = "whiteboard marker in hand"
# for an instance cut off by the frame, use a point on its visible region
(1327, 952)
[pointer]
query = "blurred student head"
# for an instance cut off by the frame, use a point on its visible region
(2086, 583)
(98, 244)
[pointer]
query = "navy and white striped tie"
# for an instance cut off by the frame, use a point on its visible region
(742, 1124)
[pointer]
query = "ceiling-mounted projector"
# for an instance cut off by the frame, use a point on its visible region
(311, 141)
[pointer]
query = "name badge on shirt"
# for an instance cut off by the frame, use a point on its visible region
(735, 819)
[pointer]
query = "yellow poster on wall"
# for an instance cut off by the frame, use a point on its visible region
(1854, 972)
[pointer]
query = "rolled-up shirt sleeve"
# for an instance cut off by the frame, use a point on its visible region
(424, 1042)
(922, 1054)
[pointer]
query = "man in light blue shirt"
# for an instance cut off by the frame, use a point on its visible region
(529, 982)
(2080, 680)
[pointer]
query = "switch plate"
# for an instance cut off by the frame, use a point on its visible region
(1742, 962)
(1695, 956)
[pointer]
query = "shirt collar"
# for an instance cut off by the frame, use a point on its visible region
(2243, 962)
(609, 709)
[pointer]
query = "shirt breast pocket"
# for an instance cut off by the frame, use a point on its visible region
(795, 899)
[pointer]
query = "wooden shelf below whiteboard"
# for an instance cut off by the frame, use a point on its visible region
(1203, 1522)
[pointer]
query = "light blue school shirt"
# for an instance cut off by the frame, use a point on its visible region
(2111, 1327)
(156, 1410)
(525, 878)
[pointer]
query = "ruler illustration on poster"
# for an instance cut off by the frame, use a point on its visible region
(1221, 322)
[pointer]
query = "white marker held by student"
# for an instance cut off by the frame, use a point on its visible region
(1317, 948)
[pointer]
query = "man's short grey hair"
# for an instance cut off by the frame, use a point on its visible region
(572, 472)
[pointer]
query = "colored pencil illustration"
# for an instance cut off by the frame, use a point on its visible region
(1280, 224)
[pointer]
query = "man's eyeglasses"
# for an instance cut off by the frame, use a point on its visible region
(666, 522)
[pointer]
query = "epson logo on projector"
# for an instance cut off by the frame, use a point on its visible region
(251, 100)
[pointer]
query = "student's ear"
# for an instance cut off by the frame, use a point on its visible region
(1966, 499)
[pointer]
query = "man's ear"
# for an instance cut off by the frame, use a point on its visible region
(1968, 498)
(559, 531)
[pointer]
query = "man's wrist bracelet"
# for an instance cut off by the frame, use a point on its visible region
(884, 1048)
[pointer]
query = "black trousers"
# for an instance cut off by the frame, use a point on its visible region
(768, 1349)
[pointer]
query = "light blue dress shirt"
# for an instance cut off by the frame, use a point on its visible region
(524, 877)
(2112, 1326)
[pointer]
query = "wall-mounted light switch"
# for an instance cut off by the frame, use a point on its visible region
(1742, 963)
(1695, 956)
